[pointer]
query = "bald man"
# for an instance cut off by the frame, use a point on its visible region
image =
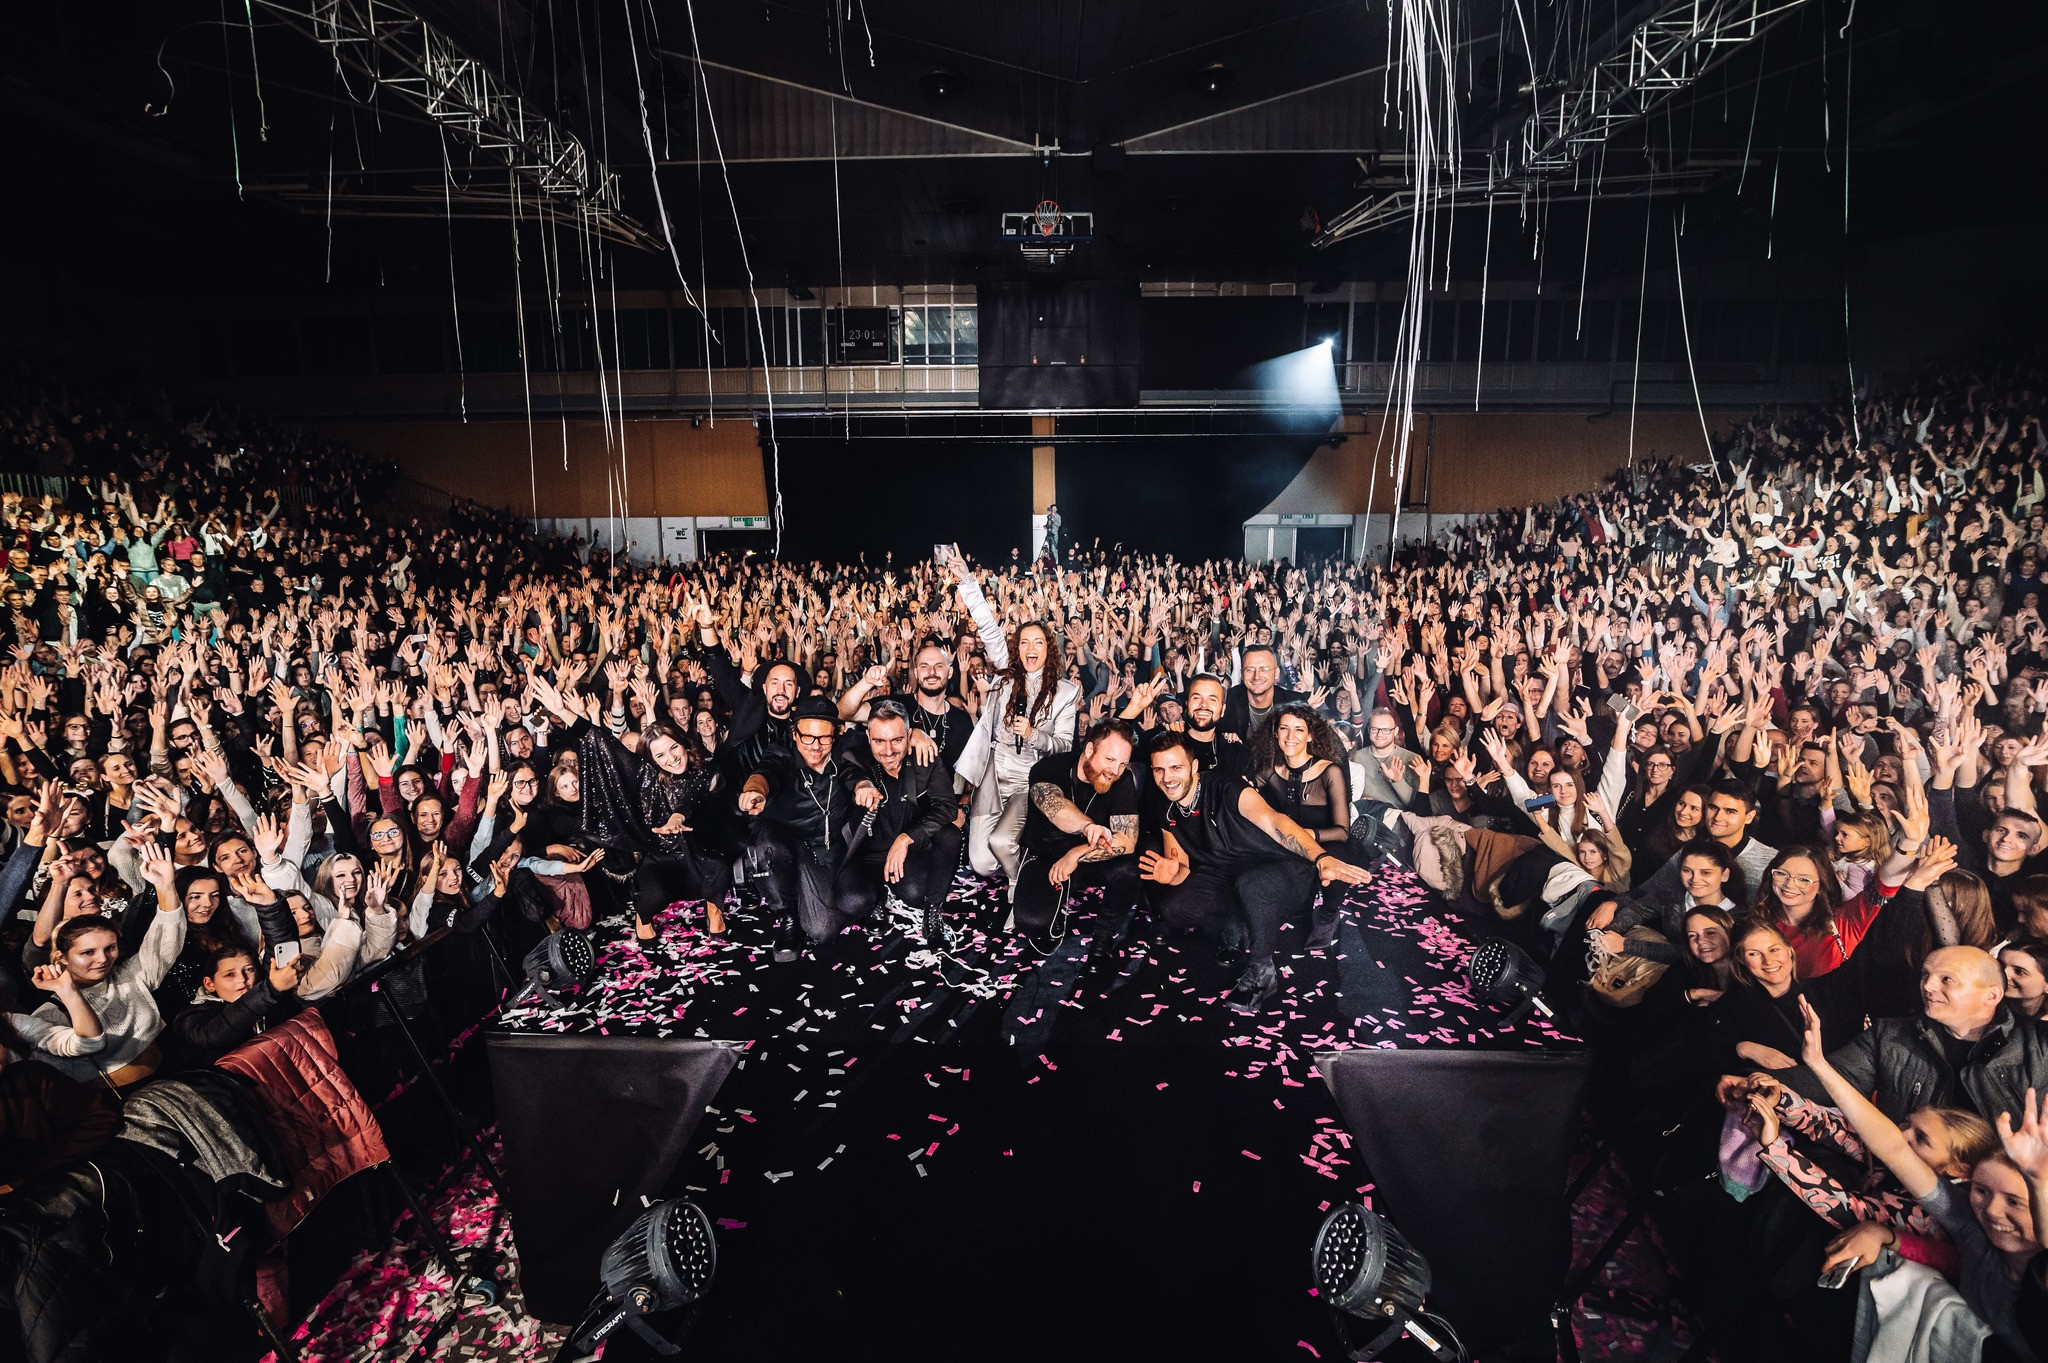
(1966, 1049)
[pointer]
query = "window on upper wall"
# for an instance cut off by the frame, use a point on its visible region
(940, 333)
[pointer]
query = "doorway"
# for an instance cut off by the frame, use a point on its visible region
(1321, 543)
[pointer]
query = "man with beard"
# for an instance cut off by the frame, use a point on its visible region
(802, 807)
(762, 714)
(1384, 769)
(938, 727)
(905, 841)
(1211, 747)
(1080, 832)
(1229, 863)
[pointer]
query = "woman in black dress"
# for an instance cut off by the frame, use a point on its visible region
(1298, 764)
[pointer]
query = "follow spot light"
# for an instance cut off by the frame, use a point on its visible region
(664, 1261)
(561, 960)
(1502, 973)
(1365, 1270)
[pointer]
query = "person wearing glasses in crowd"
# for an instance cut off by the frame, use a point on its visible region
(802, 813)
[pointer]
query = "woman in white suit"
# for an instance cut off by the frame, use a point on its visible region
(1029, 713)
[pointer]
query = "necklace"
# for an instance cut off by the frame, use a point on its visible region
(811, 789)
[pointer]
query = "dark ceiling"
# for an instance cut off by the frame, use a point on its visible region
(171, 149)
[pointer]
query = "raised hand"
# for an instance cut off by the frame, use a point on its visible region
(1937, 859)
(269, 839)
(2027, 1146)
(157, 866)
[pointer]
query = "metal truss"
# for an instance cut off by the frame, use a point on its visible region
(396, 50)
(1658, 58)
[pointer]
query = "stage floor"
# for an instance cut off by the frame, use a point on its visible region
(993, 1156)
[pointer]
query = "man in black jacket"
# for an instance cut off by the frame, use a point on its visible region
(802, 809)
(1969, 1050)
(1258, 697)
(763, 713)
(906, 841)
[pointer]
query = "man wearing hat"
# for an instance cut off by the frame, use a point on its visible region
(806, 824)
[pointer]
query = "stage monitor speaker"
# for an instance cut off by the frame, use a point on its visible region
(591, 1124)
(1468, 1151)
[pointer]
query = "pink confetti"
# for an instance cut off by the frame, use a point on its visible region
(1248, 1154)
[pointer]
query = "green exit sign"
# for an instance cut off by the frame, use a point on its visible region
(750, 522)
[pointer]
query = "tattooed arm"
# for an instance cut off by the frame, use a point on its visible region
(1065, 815)
(1123, 839)
(1298, 840)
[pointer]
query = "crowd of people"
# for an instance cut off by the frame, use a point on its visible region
(1747, 752)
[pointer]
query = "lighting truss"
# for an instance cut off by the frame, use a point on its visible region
(398, 51)
(1661, 56)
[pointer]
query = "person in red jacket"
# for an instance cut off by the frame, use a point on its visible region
(1802, 899)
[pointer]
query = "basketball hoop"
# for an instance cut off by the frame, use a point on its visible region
(1046, 217)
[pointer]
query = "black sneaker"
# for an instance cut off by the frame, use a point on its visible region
(789, 942)
(1231, 944)
(1255, 988)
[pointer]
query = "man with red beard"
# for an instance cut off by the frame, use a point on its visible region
(1081, 830)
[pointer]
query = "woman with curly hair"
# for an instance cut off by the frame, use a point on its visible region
(1297, 764)
(1029, 713)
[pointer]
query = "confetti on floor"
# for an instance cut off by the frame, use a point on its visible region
(1086, 1095)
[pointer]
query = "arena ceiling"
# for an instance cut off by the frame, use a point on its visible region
(177, 144)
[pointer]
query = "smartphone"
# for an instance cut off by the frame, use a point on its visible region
(1540, 802)
(1839, 1274)
(284, 953)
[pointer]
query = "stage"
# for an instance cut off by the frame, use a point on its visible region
(994, 1156)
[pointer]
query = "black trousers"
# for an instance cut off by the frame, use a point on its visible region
(927, 876)
(661, 881)
(1264, 891)
(1036, 900)
(827, 889)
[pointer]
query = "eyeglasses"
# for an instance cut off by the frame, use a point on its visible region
(377, 835)
(1787, 878)
(814, 740)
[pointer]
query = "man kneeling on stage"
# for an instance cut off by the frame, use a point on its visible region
(1079, 832)
(815, 853)
(907, 842)
(1230, 863)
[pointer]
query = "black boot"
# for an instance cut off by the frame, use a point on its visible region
(1255, 988)
(1231, 943)
(1323, 926)
(932, 926)
(788, 940)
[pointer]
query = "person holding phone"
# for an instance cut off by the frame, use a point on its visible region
(1991, 1218)
(237, 998)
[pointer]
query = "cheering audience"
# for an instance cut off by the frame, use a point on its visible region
(1773, 719)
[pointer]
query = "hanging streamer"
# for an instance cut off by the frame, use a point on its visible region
(1685, 328)
(1426, 58)
(739, 234)
(1635, 382)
